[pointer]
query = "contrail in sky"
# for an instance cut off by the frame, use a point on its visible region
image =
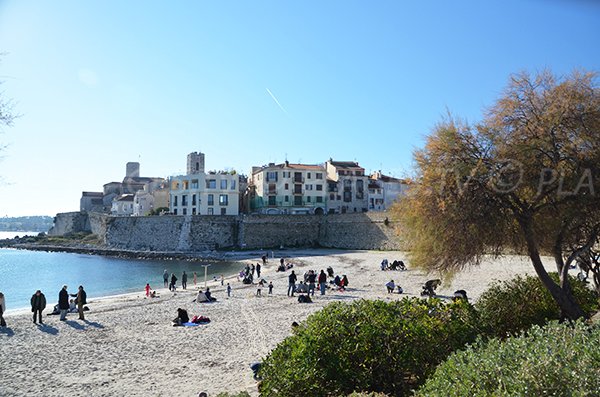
(276, 101)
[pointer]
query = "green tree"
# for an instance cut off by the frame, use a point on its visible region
(524, 179)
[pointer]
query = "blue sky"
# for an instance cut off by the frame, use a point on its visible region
(100, 83)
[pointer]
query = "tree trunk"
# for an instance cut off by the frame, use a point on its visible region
(563, 298)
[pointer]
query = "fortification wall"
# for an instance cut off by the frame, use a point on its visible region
(201, 233)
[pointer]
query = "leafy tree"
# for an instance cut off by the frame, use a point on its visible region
(525, 179)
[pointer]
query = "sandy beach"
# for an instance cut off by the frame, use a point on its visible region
(128, 347)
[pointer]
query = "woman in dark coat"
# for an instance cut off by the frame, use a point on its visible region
(38, 304)
(63, 303)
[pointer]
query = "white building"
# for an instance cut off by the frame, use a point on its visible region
(122, 205)
(199, 193)
(384, 191)
(346, 186)
(288, 189)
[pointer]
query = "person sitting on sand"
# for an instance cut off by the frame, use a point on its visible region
(182, 317)
(72, 306)
(337, 281)
(344, 282)
(390, 286)
(153, 295)
(302, 288)
(209, 296)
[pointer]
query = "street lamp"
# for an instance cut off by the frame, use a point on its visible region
(205, 273)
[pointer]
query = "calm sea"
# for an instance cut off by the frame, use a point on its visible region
(23, 272)
(4, 235)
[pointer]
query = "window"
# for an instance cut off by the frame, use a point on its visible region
(319, 188)
(233, 184)
(185, 211)
(223, 211)
(286, 187)
(297, 189)
(175, 201)
(332, 196)
(184, 200)
(286, 199)
(194, 211)
(194, 183)
(175, 211)
(193, 199)
(186, 185)
(211, 183)
(319, 175)
(272, 200)
(272, 188)
(286, 174)
(197, 166)
(211, 199)
(308, 199)
(297, 200)
(347, 197)
(308, 176)
(309, 187)
(319, 199)
(210, 211)
(223, 199)
(272, 176)
(223, 184)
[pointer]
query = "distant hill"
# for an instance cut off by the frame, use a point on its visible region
(26, 224)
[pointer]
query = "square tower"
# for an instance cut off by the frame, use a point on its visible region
(195, 163)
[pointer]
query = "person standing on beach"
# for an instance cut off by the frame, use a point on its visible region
(195, 278)
(173, 281)
(259, 288)
(322, 282)
(270, 288)
(63, 303)
(292, 283)
(2, 310)
(38, 304)
(147, 290)
(166, 278)
(222, 280)
(252, 269)
(184, 280)
(228, 290)
(258, 270)
(81, 300)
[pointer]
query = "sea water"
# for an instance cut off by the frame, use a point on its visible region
(23, 272)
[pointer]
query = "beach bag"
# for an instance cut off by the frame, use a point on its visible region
(200, 320)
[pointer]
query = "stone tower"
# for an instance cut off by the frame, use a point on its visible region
(195, 163)
(132, 170)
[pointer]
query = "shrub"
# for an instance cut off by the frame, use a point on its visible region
(367, 394)
(367, 346)
(239, 394)
(509, 307)
(556, 360)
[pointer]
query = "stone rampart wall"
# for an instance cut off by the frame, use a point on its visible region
(201, 233)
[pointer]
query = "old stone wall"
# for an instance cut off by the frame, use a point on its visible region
(69, 222)
(201, 233)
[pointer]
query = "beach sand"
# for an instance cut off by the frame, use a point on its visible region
(127, 346)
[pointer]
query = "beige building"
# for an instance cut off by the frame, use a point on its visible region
(384, 191)
(346, 187)
(200, 193)
(288, 189)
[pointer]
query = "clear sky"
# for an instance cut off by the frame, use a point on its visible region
(101, 83)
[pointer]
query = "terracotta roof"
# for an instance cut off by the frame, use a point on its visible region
(345, 164)
(386, 178)
(292, 166)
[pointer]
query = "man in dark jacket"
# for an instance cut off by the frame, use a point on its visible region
(322, 282)
(38, 304)
(292, 283)
(63, 303)
(81, 300)
(173, 281)
(184, 280)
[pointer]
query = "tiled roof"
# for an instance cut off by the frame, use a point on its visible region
(345, 164)
(92, 194)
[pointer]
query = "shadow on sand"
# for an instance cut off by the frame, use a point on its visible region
(7, 330)
(93, 324)
(48, 329)
(75, 325)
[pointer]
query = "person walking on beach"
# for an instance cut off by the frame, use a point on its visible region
(252, 269)
(195, 278)
(258, 270)
(63, 303)
(2, 310)
(228, 290)
(81, 300)
(38, 304)
(270, 288)
(184, 280)
(173, 281)
(264, 259)
(222, 280)
(322, 282)
(292, 283)
(166, 278)
(148, 290)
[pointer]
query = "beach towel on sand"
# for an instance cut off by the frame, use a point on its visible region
(189, 324)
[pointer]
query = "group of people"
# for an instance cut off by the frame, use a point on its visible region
(311, 279)
(171, 281)
(395, 265)
(247, 274)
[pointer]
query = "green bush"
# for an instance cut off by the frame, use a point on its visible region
(509, 307)
(240, 394)
(556, 360)
(367, 394)
(367, 346)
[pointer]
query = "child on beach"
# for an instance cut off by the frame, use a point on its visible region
(270, 288)
(147, 290)
(228, 290)
(259, 288)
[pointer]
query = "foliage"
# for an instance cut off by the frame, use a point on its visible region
(524, 179)
(240, 394)
(367, 394)
(367, 346)
(556, 360)
(158, 211)
(509, 307)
